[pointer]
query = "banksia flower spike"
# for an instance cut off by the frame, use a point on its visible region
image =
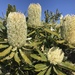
(55, 55)
(34, 15)
(16, 29)
(68, 29)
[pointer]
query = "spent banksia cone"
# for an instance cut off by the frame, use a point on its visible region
(34, 15)
(68, 29)
(16, 29)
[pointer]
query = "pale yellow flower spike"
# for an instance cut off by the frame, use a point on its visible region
(16, 29)
(55, 55)
(34, 15)
(68, 29)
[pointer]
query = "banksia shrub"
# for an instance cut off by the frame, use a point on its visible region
(68, 29)
(34, 15)
(16, 29)
(55, 55)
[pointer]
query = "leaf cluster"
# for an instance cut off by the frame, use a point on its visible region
(31, 59)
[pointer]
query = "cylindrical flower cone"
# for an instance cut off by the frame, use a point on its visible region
(34, 15)
(16, 29)
(68, 29)
(55, 55)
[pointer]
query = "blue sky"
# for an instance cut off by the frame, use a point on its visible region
(64, 6)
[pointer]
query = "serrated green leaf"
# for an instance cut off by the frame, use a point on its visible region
(55, 70)
(68, 65)
(51, 32)
(26, 49)
(33, 44)
(41, 72)
(6, 51)
(37, 57)
(58, 72)
(24, 56)
(60, 41)
(31, 33)
(42, 55)
(3, 46)
(42, 34)
(27, 68)
(39, 67)
(10, 56)
(48, 71)
(16, 57)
